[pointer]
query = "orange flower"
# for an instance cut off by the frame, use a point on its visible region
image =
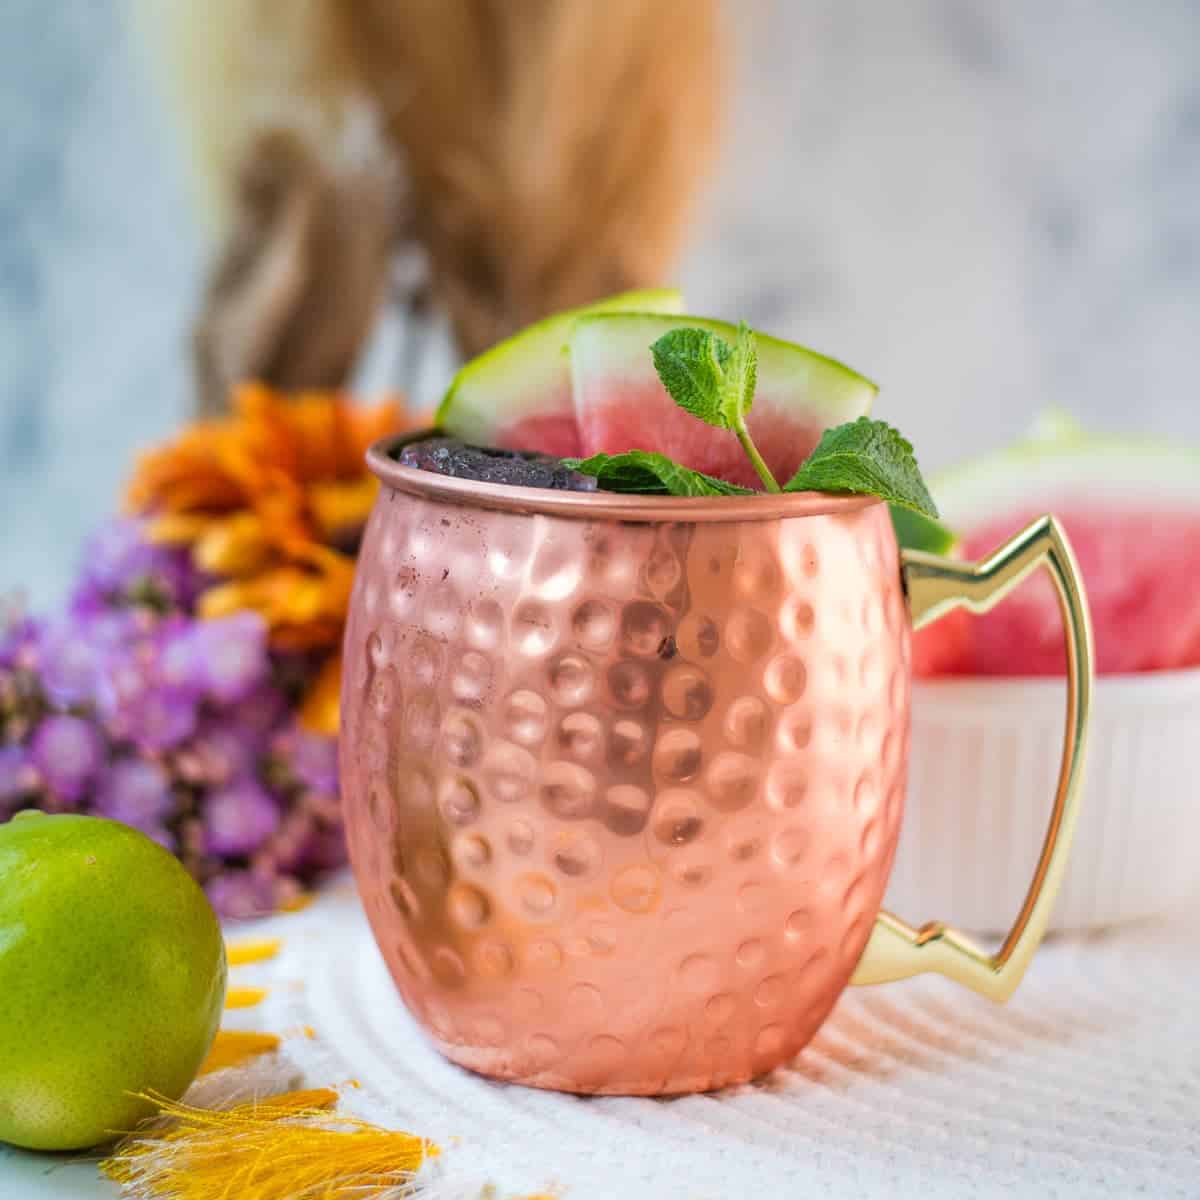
(272, 501)
(291, 462)
(304, 604)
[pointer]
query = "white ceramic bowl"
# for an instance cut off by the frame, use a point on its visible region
(984, 762)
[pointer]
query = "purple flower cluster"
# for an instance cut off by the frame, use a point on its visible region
(129, 706)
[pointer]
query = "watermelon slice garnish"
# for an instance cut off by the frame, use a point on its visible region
(517, 395)
(1131, 508)
(620, 403)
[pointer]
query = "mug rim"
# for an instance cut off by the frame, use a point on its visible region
(506, 497)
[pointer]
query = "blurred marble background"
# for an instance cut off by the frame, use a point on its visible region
(988, 208)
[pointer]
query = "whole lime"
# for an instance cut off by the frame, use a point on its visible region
(112, 979)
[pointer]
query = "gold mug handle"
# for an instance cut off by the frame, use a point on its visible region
(897, 950)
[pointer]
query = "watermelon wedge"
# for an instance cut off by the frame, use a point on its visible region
(1131, 508)
(517, 395)
(620, 404)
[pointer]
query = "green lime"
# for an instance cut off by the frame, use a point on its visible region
(112, 979)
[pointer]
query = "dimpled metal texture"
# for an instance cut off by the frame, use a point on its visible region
(622, 788)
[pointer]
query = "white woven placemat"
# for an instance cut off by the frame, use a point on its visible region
(1086, 1084)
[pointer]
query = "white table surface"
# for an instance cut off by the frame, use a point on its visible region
(49, 1177)
(1087, 1084)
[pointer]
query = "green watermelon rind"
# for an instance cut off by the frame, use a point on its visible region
(511, 380)
(915, 531)
(833, 392)
(1063, 463)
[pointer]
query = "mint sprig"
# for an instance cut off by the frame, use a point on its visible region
(868, 457)
(650, 474)
(715, 382)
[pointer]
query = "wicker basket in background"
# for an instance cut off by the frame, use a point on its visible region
(541, 154)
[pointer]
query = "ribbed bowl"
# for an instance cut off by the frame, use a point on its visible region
(983, 765)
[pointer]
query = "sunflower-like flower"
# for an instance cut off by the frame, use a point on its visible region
(272, 501)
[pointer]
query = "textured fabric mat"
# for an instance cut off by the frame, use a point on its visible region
(1086, 1084)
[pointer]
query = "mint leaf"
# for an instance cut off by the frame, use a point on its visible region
(707, 376)
(868, 457)
(714, 381)
(739, 377)
(691, 365)
(649, 473)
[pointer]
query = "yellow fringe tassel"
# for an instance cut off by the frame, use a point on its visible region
(289, 1147)
(244, 997)
(251, 950)
(233, 1047)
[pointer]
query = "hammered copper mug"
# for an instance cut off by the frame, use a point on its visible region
(623, 775)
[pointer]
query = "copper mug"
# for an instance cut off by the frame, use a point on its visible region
(623, 775)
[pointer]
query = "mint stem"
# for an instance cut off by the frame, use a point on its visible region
(764, 472)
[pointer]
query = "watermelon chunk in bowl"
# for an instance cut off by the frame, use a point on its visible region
(1131, 509)
(989, 696)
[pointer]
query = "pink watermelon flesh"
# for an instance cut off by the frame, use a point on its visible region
(638, 414)
(551, 433)
(1140, 570)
